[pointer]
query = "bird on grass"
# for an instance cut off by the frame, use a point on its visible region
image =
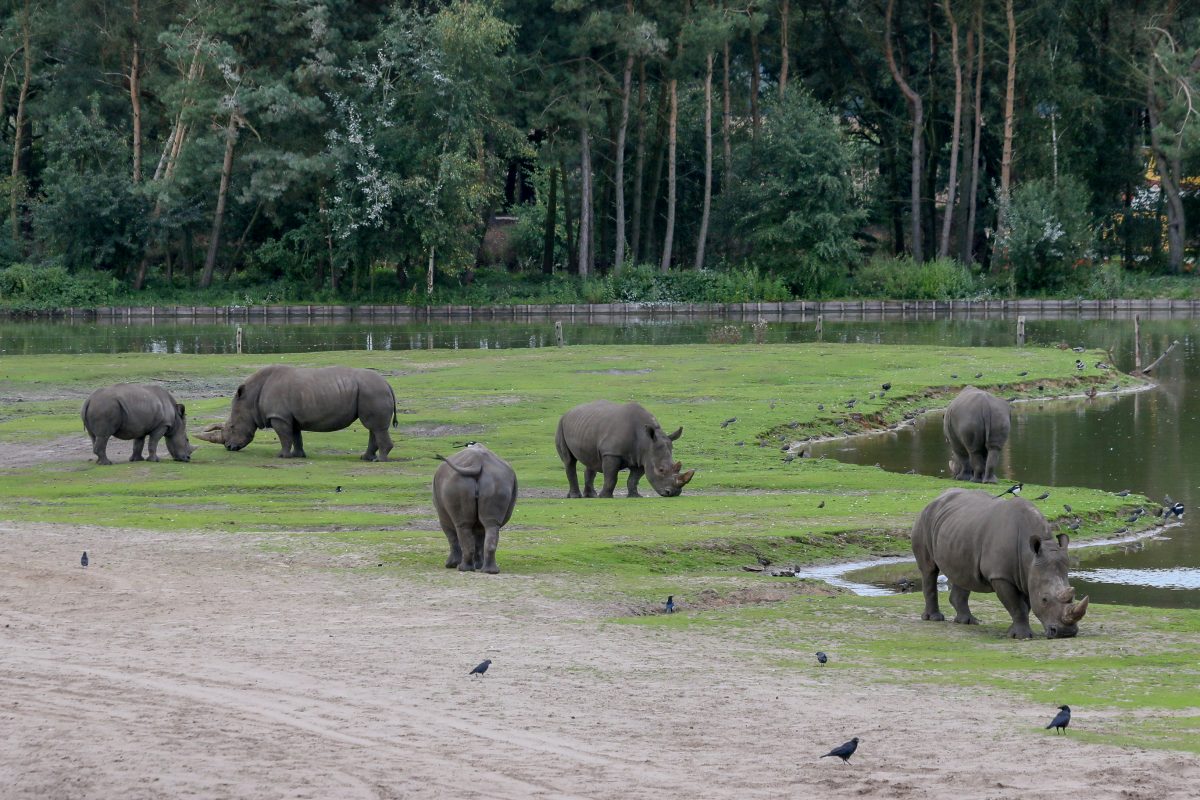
(821, 657)
(844, 751)
(1022, 374)
(83, 562)
(1079, 364)
(821, 504)
(955, 377)
(978, 374)
(1014, 490)
(1074, 524)
(670, 606)
(1061, 720)
(481, 668)
(1177, 510)
(338, 489)
(728, 422)
(1067, 508)
(820, 406)
(789, 458)
(1077, 349)
(1042, 496)
(887, 387)
(1122, 493)
(1132, 518)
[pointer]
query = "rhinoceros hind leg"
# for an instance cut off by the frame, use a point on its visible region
(958, 599)
(380, 440)
(989, 467)
(572, 476)
(929, 576)
(100, 448)
(977, 465)
(589, 482)
(466, 544)
(138, 444)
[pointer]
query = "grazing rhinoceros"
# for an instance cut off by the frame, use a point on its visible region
(474, 492)
(295, 399)
(136, 411)
(983, 543)
(608, 438)
(976, 427)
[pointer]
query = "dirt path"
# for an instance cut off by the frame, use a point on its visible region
(190, 665)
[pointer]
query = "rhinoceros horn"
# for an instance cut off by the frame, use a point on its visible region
(1076, 612)
(681, 479)
(214, 432)
(1066, 595)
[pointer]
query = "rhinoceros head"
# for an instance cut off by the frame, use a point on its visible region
(657, 456)
(1050, 596)
(236, 432)
(176, 439)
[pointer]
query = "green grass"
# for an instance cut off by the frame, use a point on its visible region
(623, 555)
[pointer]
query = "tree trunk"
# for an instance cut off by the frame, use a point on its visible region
(241, 243)
(585, 199)
(784, 21)
(1169, 162)
(660, 152)
(572, 253)
(755, 69)
(639, 168)
(726, 120)
(1010, 91)
(135, 95)
(428, 272)
(672, 135)
(214, 238)
(918, 121)
(968, 253)
(19, 129)
(702, 239)
(551, 223)
(956, 128)
(619, 169)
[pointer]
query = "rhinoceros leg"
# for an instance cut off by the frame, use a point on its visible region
(451, 532)
(479, 535)
(466, 543)
(100, 448)
(138, 444)
(291, 443)
(989, 467)
(572, 476)
(491, 540)
(610, 466)
(1017, 605)
(978, 460)
(589, 482)
(635, 475)
(379, 444)
(958, 599)
(929, 581)
(152, 449)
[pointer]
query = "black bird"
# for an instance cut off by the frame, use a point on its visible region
(670, 606)
(1074, 524)
(728, 422)
(1115, 386)
(978, 374)
(954, 376)
(821, 504)
(820, 406)
(844, 751)
(1121, 531)
(338, 489)
(1122, 493)
(1079, 364)
(887, 387)
(850, 403)
(1042, 496)
(1067, 508)
(871, 396)
(1132, 518)
(1061, 720)
(481, 668)
(1177, 510)
(821, 657)
(1015, 489)
(83, 562)
(1041, 388)
(1022, 374)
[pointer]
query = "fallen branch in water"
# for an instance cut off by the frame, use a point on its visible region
(1156, 361)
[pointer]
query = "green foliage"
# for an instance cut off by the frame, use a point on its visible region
(1048, 233)
(28, 287)
(902, 279)
(794, 204)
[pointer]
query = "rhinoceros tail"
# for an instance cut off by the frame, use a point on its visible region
(395, 420)
(466, 473)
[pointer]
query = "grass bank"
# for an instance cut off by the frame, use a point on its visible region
(1135, 666)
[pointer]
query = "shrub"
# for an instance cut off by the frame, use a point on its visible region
(28, 287)
(1048, 234)
(902, 279)
(726, 334)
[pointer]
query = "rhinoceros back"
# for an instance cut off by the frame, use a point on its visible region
(975, 537)
(593, 430)
(325, 398)
(977, 419)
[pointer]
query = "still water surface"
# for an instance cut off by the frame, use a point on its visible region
(1146, 442)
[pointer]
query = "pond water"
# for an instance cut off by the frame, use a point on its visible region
(1147, 442)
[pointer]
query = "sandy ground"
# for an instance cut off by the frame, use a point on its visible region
(190, 665)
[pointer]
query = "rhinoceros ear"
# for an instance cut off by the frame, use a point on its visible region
(241, 390)
(1035, 542)
(182, 411)
(650, 432)
(675, 435)
(1063, 540)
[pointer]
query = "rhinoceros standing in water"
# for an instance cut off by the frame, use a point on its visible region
(976, 427)
(136, 411)
(983, 543)
(295, 399)
(474, 492)
(607, 438)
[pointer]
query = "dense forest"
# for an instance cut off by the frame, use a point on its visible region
(327, 148)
